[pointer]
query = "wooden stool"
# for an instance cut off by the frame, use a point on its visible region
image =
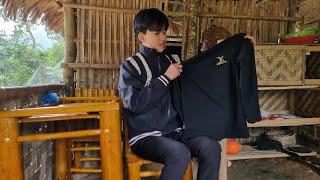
(134, 164)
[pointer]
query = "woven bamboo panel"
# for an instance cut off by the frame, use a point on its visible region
(307, 103)
(313, 66)
(274, 100)
(279, 65)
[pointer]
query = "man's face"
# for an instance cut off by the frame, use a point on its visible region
(154, 39)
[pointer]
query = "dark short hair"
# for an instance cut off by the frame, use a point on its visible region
(150, 19)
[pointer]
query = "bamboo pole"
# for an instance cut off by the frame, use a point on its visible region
(61, 160)
(90, 159)
(85, 149)
(70, 46)
(82, 170)
(90, 45)
(224, 160)
(59, 117)
(110, 144)
(60, 135)
(82, 46)
(67, 108)
(10, 152)
(61, 154)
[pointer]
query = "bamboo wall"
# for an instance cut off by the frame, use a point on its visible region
(264, 20)
(104, 34)
(308, 10)
(104, 37)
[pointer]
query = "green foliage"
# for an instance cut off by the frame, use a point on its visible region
(20, 58)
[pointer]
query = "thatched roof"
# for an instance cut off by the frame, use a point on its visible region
(49, 12)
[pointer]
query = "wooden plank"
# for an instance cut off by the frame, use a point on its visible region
(94, 99)
(90, 159)
(58, 117)
(66, 108)
(286, 122)
(249, 152)
(262, 88)
(59, 135)
(90, 66)
(312, 47)
(8, 93)
(278, 46)
(85, 149)
(312, 81)
(85, 170)
(279, 83)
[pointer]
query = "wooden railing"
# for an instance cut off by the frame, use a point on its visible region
(25, 96)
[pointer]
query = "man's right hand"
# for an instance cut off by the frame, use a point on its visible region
(173, 71)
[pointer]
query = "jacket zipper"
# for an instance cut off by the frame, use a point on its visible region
(159, 66)
(169, 105)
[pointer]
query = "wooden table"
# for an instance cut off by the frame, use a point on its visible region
(109, 131)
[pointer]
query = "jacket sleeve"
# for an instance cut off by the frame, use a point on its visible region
(248, 83)
(135, 95)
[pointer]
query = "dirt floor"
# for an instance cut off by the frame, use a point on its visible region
(258, 169)
(267, 169)
(270, 169)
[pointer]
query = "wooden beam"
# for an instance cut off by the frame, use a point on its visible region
(267, 18)
(85, 170)
(286, 122)
(10, 152)
(180, 14)
(88, 65)
(58, 117)
(9, 93)
(59, 135)
(85, 149)
(70, 46)
(66, 108)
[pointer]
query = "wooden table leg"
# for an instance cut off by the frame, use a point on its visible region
(110, 145)
(10, 150)
(224, 161)
(61, 159)
(61, 155)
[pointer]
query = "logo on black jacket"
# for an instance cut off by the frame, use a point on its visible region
(221, 60)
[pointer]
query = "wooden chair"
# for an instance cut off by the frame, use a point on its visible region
(87, 144)
(134, 164)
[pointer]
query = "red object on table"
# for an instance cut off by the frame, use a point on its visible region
(301, 40)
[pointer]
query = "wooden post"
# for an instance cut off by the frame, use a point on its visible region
(188, 174)
(61, 155)
(292, 13)
(224, 161)
(61, 160)
(110, 145)
(70, 47)
(10, 153)
(134, 171)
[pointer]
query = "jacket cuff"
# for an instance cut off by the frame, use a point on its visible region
(164, 79)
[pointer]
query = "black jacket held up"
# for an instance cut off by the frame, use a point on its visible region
(217, 92)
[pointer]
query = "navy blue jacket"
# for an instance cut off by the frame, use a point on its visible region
(218, 90)
(145, 90)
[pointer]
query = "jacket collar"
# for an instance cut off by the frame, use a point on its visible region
(150, 52)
